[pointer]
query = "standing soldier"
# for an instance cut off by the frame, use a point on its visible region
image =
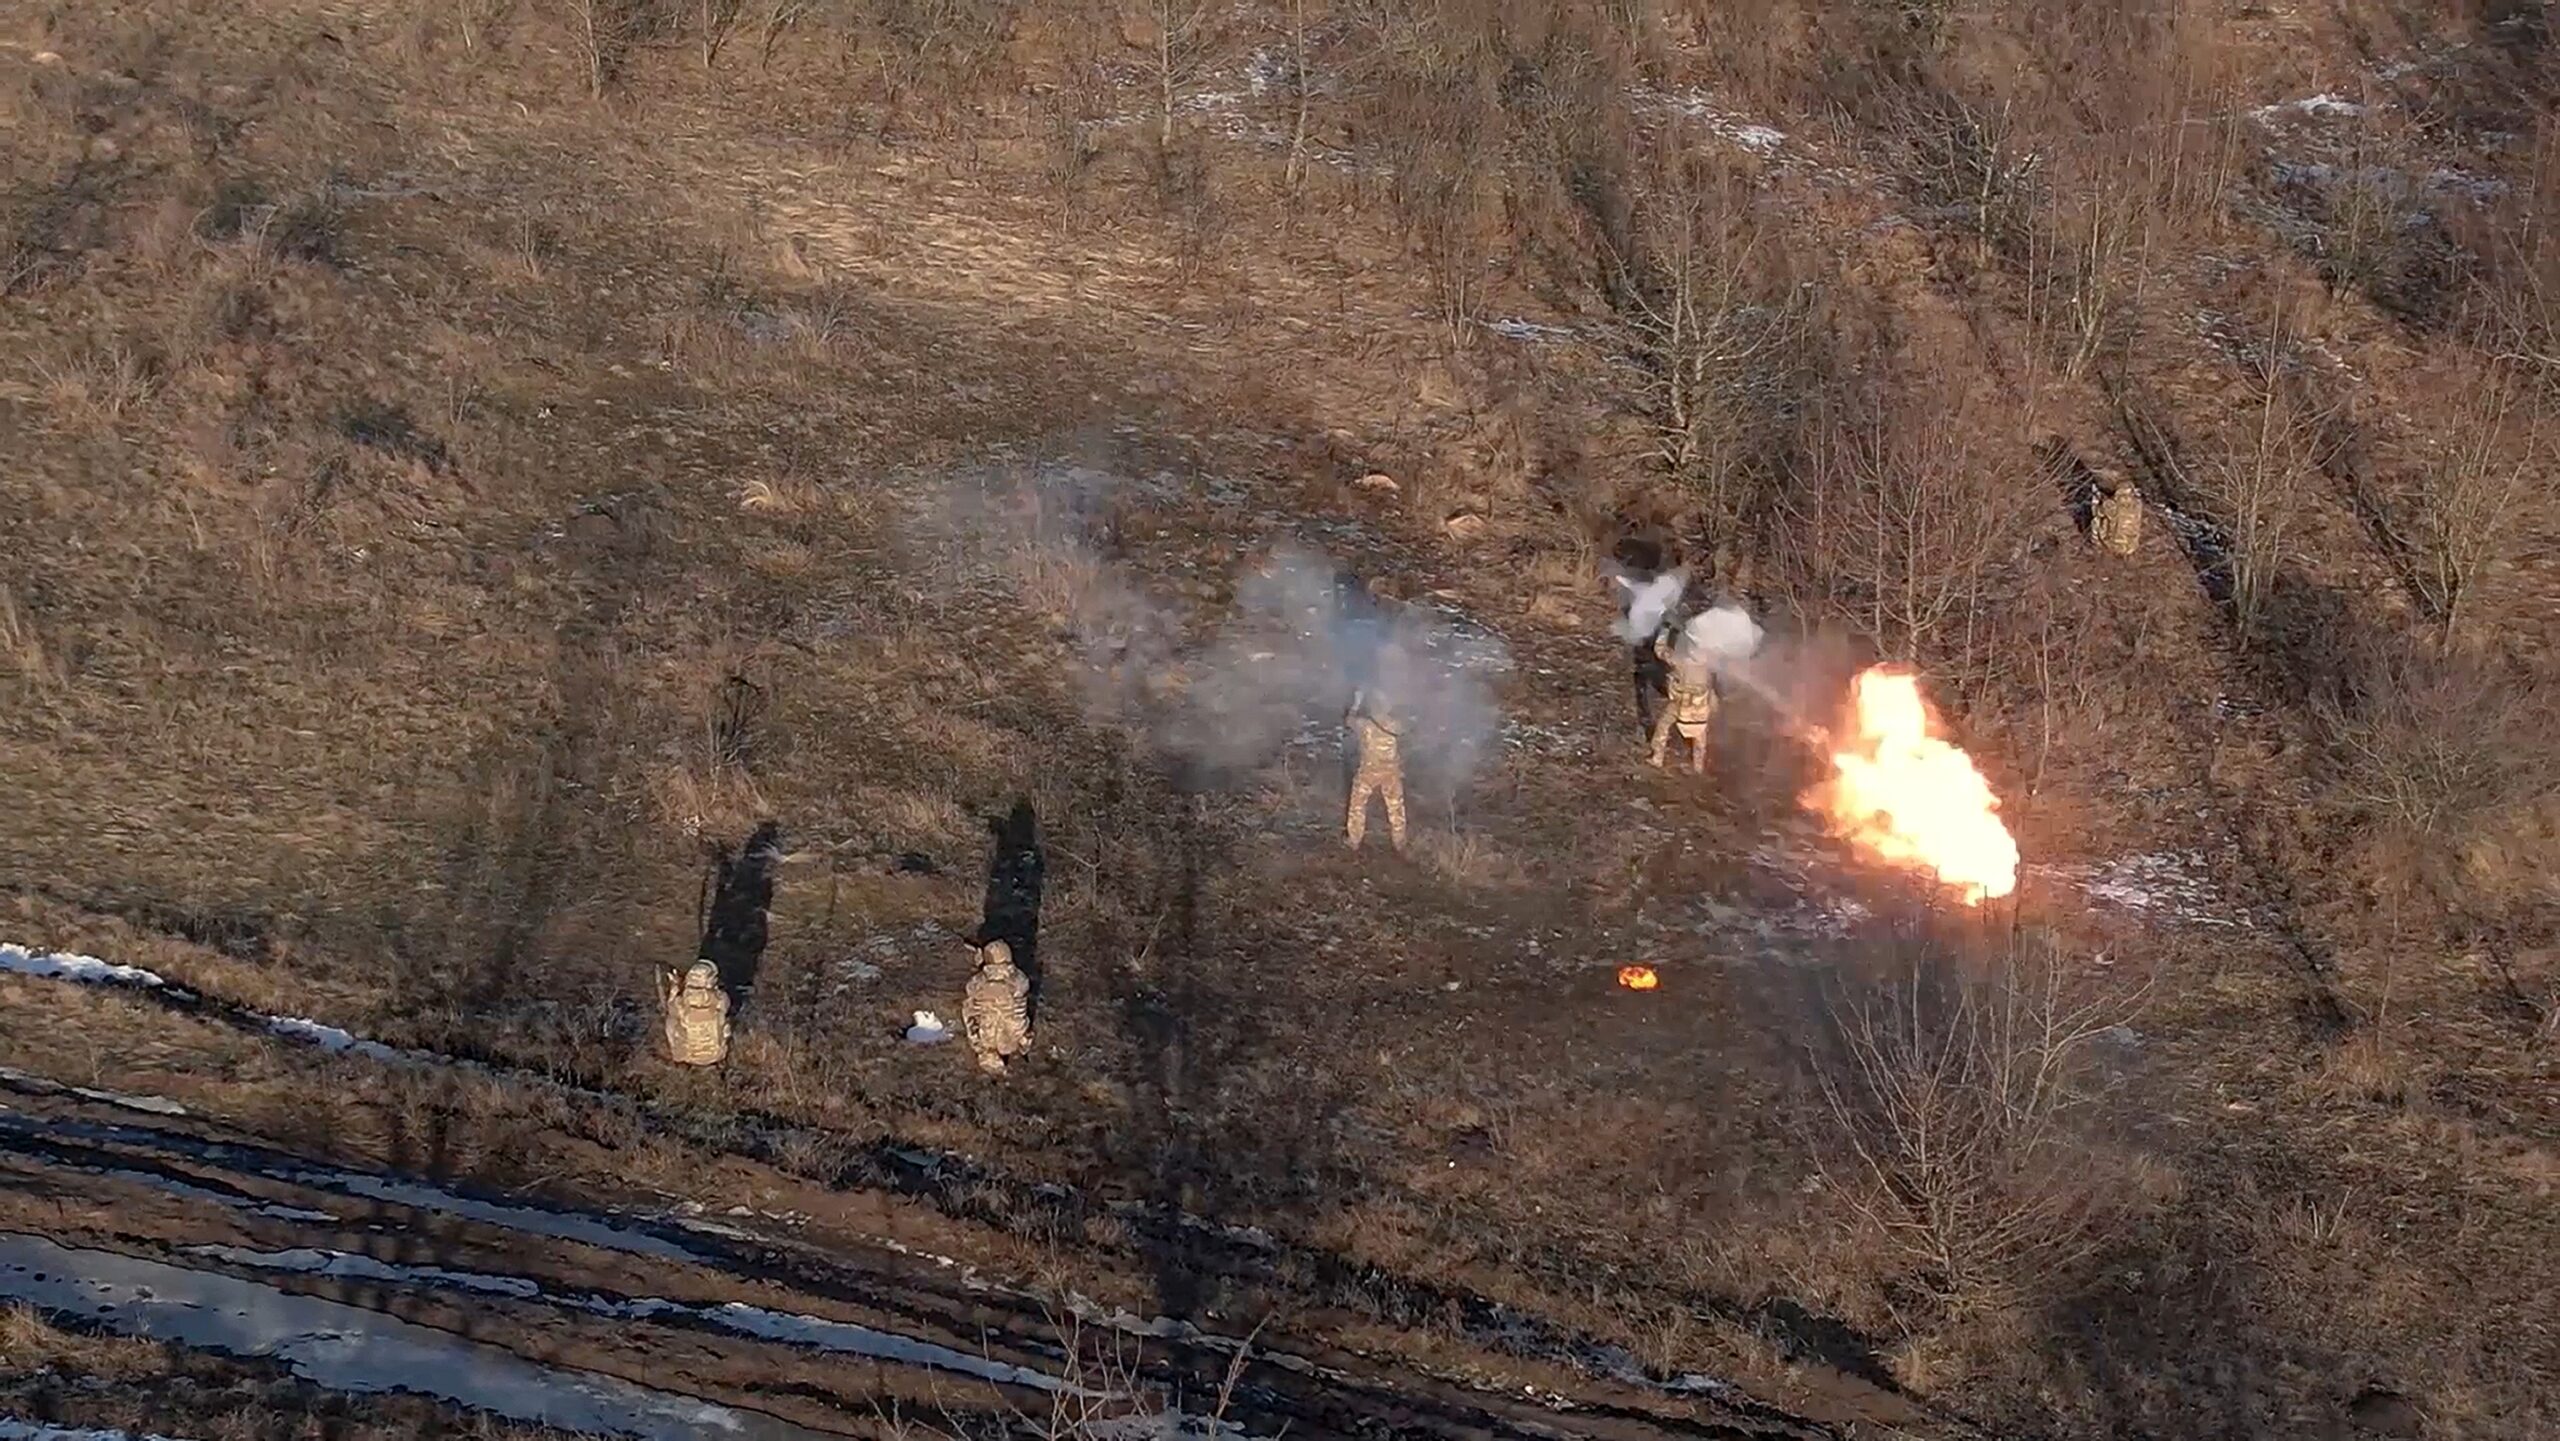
(2116, 524)
(697, 1012)
(1379, 728)
(1691, 705)
(995, 1008)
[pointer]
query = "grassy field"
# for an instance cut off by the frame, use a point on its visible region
(470, 463)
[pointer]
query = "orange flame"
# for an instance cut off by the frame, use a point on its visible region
(1638, 978)
(1911, 799)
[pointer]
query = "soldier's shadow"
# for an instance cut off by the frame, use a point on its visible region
(738, 923)
(1015, 871)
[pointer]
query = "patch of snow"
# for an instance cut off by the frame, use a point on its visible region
(88, 970)
(1695, 104)
(346, 1348)
(928, 1030)
(2167, 885)
(330, 1038)
(843, 1336)
(791, 1328)
(13, 1429)
(344, 1265)
(1529, 332)
(1163, 1426)
(152, 1105)
(2322, 106)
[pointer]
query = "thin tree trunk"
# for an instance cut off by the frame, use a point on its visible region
(1297, 169)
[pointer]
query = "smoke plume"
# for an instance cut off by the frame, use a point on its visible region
(1719, 642)
(1302, 639)
(1649, 601)
(1217, 696)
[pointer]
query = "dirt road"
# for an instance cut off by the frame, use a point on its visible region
(119, 1212)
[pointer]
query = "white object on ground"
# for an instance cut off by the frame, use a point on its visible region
(928, 1030)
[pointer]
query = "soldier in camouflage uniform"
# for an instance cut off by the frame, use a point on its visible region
(2116, 523)
(1379, 729)
(995, 1008)
(697, 1014)
(1689, 708)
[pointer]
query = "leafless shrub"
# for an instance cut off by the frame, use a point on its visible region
(1900, 519)
(2118, 201)
(1716, 330)
(736, 728)
(478, 25)
(2256, 483)
(1429, 113)
(22, 649)
(929, 54)
(715, 21)
(2375, 225)
(1301, 93)
(2469, 504)
(2435, 747)
(1974, 158)
(602, 31)
(1184, 34)
(2520, 274)
(1962, 1092)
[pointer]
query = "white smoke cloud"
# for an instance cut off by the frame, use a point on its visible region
(1648, 602)
(1718, 641)
(1302, 638)
(1217, 696)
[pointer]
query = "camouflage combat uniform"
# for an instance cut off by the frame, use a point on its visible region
(1381, 771)
(2116, 524)
(697, 1015)
(1689, 709)
(995, 1007)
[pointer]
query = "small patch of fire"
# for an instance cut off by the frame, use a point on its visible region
(1638, 978)
(1908, 797)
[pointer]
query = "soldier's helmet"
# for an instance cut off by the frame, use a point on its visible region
(996, 956)
(701, 976)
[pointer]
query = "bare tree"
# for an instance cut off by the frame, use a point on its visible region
(2434, 746)
(2257, 483)
(1958, 1089)
(1301, 88)
(1712, 322)
(602, 30)
(1900, 523)
(1182, 34)
(719, 20)
(2468, 506)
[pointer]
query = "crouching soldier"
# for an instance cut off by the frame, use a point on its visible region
(1379, 729)
(2116, 523)
(995, 1008)
(1689, 708)
(697, 1014)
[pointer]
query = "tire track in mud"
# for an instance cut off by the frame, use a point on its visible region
(1021, 1348)
(351, 1348)
(965, 1189)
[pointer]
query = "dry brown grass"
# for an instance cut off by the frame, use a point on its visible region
(30, 1342)
(683, 433)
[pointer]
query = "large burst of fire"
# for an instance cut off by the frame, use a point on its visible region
(1910, 798)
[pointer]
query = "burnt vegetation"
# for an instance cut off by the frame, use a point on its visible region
(471, 465)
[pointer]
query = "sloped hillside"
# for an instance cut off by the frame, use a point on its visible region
(473, 462)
